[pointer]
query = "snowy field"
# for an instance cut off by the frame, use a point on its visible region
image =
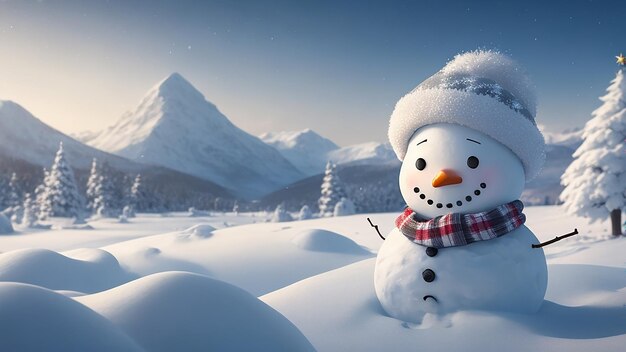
(175, 283)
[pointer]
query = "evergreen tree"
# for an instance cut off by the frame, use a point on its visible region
(92, 184)
(61, 197)
(4, 194)
(29, 218)
(138, 199)
(15, 192)
(103, 203)
(280, 214)
(332, 191)
(305, 213)
(595, 182)
(344, 207)
(43, 209)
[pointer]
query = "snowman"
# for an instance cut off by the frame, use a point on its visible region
(468, 142)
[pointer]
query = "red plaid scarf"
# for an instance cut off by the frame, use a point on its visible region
(456, 229)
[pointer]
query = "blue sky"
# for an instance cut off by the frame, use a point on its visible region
(337, 67)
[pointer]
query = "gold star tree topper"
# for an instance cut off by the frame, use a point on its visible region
(621, 60)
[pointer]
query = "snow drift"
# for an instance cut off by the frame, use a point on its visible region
(36, 319)
(175, 311)
(91, 270)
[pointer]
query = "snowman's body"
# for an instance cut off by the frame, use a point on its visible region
(451, 168)
(501, 274)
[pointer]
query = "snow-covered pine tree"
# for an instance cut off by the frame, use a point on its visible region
(344, 207)
(43, 209)
(595, 182)
(4, 193)
(332, 191)
(103, 203)
(29, 218)
(280, 214)
(15, 191)
(137, 196)
(92, 184)
(305, 213)
(103, 192)
(61, 195)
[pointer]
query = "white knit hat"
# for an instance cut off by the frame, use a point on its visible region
(482, 90)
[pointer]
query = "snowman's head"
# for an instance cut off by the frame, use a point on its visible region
(449, 168)
(482, 90)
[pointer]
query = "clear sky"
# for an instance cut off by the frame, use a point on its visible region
(337, 67)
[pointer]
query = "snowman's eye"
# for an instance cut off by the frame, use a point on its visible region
(420, 164)
(472, 162)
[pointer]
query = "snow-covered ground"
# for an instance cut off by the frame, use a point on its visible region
(174, 282)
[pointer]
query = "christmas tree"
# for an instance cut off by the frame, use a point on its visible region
(92, 184)
(61, 197)
(29, 217)
(137, 196)
(595, 182)
(332, 191)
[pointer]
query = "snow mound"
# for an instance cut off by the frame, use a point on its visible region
(165, 311)
(193, 212)
(326, 241)
(197, 231)
(93, 270)
(35, 319)
(5, 225)
(338, 311)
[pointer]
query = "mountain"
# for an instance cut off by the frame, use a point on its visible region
(24, 137)
(27, 145)
(571, 138)
(374, 185)
(305, 149)
(310, 152)
(364, 153)
(176, 127)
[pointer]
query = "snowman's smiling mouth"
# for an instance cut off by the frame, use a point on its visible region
(468, 198)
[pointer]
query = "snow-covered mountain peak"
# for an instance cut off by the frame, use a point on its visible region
(176, 87)
(175, 126)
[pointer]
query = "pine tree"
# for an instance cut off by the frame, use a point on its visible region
(305, 213)
(29, 218)
(43, 209)
(138, 200)
(92, 184)
(61, 197)
(595, 182)
(103, 203)
(15, 191)
(332, 191)
(4, 192)
(344, 207)
(280, 214)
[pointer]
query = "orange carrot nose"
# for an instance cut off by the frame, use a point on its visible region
(446, 177)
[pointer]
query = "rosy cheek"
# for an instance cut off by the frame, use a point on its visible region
(414, 179)
(489, 174)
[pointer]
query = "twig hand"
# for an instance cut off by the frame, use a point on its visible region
(556, 239)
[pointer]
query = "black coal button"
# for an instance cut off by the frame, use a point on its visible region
(431, 251)
(428, 275)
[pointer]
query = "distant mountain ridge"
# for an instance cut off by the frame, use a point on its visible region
(370, 171)
(176, 127)
(310, 152)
